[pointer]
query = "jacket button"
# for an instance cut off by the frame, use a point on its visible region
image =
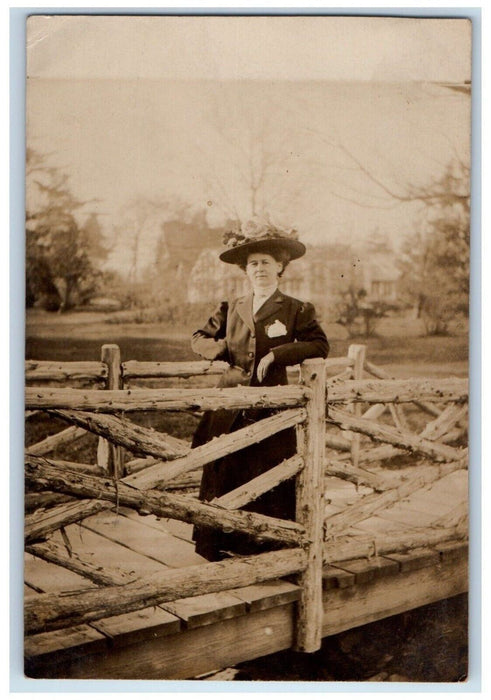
(248, 374)
(251, 354)
(253, 335)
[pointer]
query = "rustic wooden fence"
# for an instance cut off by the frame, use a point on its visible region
(345, 412)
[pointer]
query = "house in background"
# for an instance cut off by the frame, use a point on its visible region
(381, 277)
(319, 277)
(182, 242)
(211, 281)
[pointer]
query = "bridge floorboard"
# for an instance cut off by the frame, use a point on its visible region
(196, 636)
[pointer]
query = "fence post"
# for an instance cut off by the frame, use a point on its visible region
(357, 354)
(109, 456)
(310, 511)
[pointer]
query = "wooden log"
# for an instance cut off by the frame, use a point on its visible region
(261, 484)
(357, 354)
(437, 428)
(383, 433)
(378, 454)
(398, 391)
(453, 435)
(56, 554)
(192, 478)
(139, 463)
(168, 399)
(45, 499)
(337, 443)
(52, 442)
(51, 611)
(398, 416)
(372, 369)
(383, 452)
(75, 466)
(336, 551)
(434, 430)
(123, 432)
(133, 369)
(341, 377)
(344, 361)
(163, 474)
(40, 524)
(110, 456)
(186, 481)
(375, 502)
(430, 408)
(332, 364)
(355, 475)
(41, 371)
(51, 578)
(309, 508)
(41, 474)
(395, 410)
(375, 411)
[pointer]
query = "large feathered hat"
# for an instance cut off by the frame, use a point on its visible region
(259, 237)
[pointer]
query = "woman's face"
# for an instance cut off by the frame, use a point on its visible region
(263, 270)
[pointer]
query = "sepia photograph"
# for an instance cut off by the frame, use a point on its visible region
(247, 275)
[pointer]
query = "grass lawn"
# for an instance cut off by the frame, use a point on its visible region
(79, 336)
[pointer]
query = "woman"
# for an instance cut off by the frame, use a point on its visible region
(259, 334)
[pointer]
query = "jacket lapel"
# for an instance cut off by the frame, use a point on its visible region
(244, 309)
(271, 306)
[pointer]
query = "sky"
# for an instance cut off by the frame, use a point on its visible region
(278, 48)
(198, 109)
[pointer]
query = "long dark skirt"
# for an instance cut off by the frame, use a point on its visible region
(236, 469)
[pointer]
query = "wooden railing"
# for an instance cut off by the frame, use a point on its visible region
(144, 483)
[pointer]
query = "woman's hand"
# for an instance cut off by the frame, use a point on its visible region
(264, 365)
(211, 349)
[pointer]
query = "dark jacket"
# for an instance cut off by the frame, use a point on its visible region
(283, 325)
(288, 328)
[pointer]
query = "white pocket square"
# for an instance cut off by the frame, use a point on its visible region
(276, 329)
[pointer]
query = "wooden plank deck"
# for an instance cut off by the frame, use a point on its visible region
(193, 636)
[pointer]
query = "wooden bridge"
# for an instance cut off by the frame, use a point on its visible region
(113, 587)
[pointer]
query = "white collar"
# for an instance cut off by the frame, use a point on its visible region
(265, 293)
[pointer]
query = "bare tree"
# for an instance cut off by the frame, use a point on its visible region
(136, 230)
(383, 161)
(249, 166)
